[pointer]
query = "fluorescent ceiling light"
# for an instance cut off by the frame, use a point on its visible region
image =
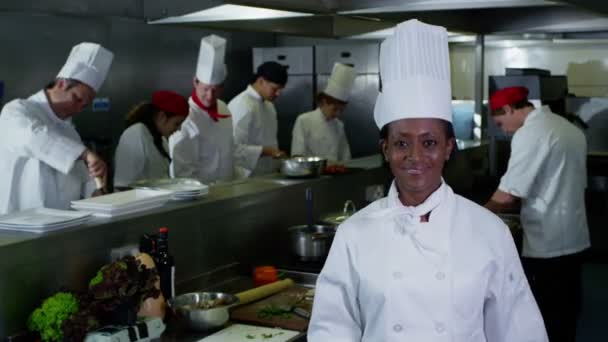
(230, 12)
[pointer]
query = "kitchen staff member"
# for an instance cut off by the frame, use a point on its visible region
(43, 161)
(255, 118)
(204, 147)
(547, 173)
(142, 151)
(422, 264)
(320, 132)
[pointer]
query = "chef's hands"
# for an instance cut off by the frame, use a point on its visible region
(273, 152)
(502, 202)
(97, 170)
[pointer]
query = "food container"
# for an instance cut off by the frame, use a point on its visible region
(312, 242)
(203, 310)
(336, 219)
(302, 167)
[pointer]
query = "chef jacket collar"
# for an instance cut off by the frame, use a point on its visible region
(321, 115)
(536, 112)
(425, 207)
(251, 91)
(42, 100)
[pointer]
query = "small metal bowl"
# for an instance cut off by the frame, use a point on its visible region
(300, 167)
(203, 311)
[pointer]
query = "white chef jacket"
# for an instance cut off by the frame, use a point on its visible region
(548, 171)
(38, 157)
(457, 278)
(205, 149)
(314, 135)
(255, 125)
(137, 157)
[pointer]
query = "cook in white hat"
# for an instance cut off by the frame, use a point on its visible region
(204, 147)
(422, 264)
(321, 132)
(44, 162)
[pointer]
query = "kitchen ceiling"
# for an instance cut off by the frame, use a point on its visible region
(344, 18)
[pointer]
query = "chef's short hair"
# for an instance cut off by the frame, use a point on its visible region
(517, 105)
(328, 99)
(70, 82)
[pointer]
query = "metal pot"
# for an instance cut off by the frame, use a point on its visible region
(190, 309)
(312, 242)
(299, 167)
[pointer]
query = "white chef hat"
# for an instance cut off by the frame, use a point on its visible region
(88, 63)
(415, 73)
(210, 68)
(340, 82)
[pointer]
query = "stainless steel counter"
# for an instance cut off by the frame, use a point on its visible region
(243, 223)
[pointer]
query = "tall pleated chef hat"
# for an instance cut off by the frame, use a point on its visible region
(415, 73)
(88, 63)
(210, 68)
(340, 82)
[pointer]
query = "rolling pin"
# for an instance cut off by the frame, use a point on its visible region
(263, 291)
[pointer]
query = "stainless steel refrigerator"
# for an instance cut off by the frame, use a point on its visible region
(298, 95)
(358, 116)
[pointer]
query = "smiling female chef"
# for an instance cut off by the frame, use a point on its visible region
(422, 264)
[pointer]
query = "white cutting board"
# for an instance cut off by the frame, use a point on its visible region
(250, 333)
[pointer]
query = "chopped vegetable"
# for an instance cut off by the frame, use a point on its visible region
(273, 311)
(251, 337)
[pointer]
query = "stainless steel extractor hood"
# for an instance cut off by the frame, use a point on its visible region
(344, 18)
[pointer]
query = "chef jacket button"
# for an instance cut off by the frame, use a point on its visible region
(440, 275)
(440, 327)
(397, 275)
(397, 328)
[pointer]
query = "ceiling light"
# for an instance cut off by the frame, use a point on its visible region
(230, 12)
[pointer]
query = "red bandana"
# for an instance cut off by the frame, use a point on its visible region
(212, 111)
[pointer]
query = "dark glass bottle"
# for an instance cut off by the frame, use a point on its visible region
(165, 264)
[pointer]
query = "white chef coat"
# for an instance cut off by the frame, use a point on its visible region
(137, 157)
(548, 171)
(205, 149)
(39, 157)
(457, 278)
(314, 135)
(255, 126)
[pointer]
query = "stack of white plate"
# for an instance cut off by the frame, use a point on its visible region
(182, 189)
(121, 203)
(41, 220)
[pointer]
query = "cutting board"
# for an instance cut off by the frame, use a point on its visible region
(249, 313)
(242, 332)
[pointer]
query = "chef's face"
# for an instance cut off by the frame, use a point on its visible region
(332, 109)
(508, 119)
(208, 94)
(269, 90)
(168, 124)
(71, 98)
(416, 150)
